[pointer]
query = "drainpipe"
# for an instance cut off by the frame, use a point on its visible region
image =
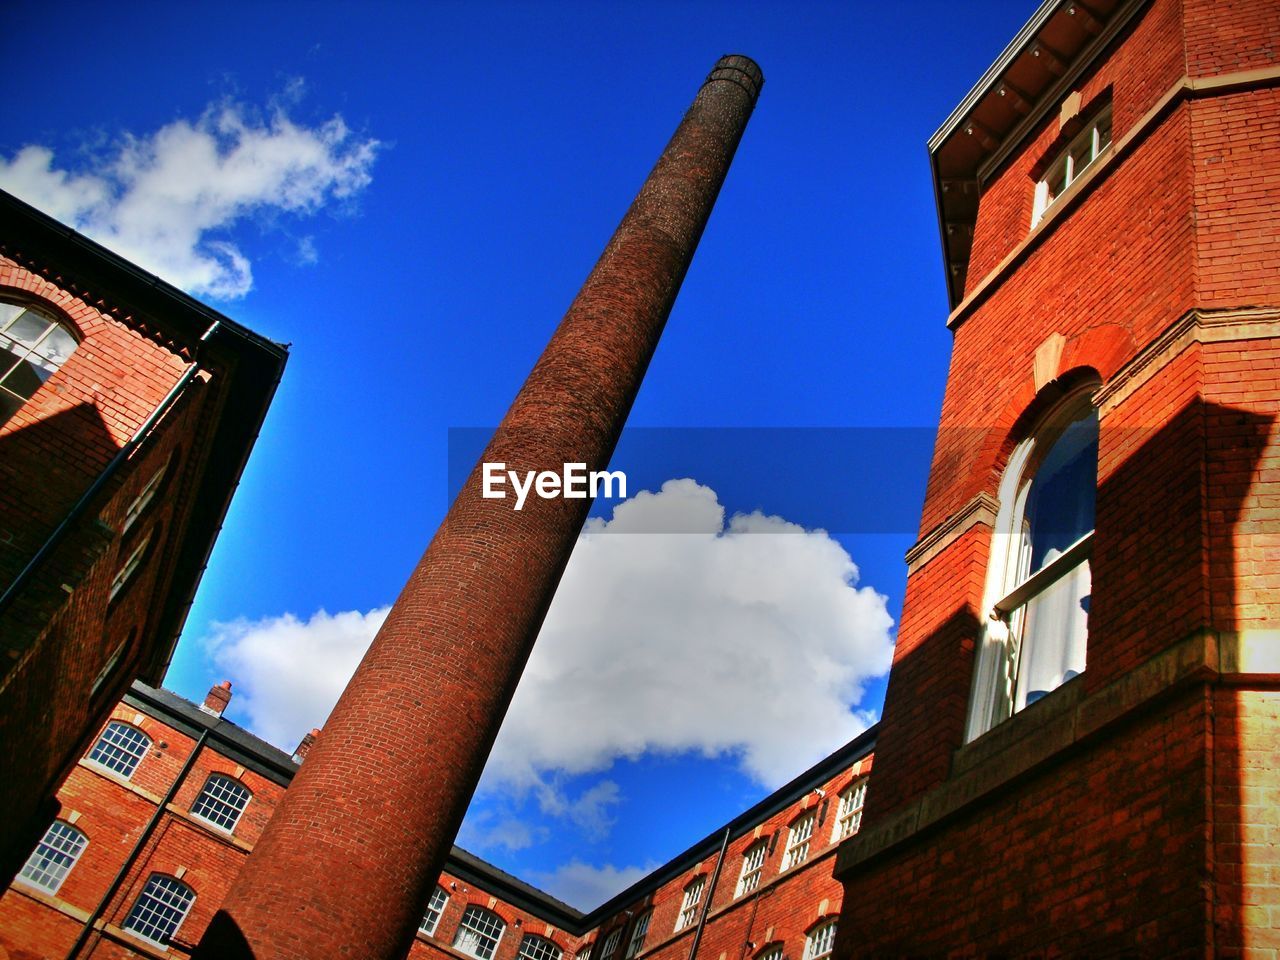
(88, 929)
(711, 892)
(123, 454)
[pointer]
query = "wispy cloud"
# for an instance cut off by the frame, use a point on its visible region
(585, 886)
(168, 199)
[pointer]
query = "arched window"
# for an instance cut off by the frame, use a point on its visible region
(1038, 583)
(435, 910)
(849, 813)
(639, 930)
(160, 909)
(221, 801)
(799, 836)
(120, 748)
(611, 944)
(534, 947)
(689, 905)
(752, 867)
(820, 941)
(32, 347)
(770, 951)
(54, 856)
(479, 932)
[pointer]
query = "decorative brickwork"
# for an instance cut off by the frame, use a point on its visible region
(1126, 811)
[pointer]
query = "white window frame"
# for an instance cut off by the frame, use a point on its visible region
(820, 941)
(143, 500)
(104, 738)
(211, 796)
(611, 943)
(157, 896)
(639, 930)
(59, 848)
(752, 872)
(994, 696)
(771, 951)
(473, 934)
(849, 810)
(534, 947)
(435, 910)
(26, 351)
(689, 905)
(1096, 136)
(584, 953)
(799, 839)
(130, 567)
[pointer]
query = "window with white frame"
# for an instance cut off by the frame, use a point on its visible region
(611, 944)
(772, 951)
(752, 867)
(160, 909)
(585, 952)
(1072, 162)
(435, 910)
(479, 932)
(120, 748)
(534, 947)
(32, 348)
(143, 500)
(689, 906)
(799, 837)
(849, 812)
(221, 802)
(820, 941)
(53, 857)
(638, 932)
(130, 566)
(1038, 580)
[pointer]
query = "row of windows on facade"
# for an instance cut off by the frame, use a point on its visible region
(33, 346)
(120, 749)
(481, 929)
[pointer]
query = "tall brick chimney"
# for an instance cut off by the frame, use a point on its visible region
(382, 793)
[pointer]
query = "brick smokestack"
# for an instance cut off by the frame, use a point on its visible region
(381, 795)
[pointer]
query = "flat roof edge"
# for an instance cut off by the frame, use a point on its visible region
(993, 73)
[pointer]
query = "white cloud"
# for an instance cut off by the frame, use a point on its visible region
(167, 199)
(489, 830)
(746, 638)
(585, 886)
(288, 673)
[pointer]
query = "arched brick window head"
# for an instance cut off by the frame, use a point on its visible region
(33, 346)
(1038, 581)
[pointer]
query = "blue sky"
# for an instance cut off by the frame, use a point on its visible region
(411, 194)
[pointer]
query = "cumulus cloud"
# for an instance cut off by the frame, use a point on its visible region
(746, 637)
(166, 200)
(288, 673)
(585, 886)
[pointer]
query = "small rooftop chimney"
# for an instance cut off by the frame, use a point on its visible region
(301, 753)
(217, 699)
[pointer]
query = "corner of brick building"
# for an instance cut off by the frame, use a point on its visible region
(1131, 808)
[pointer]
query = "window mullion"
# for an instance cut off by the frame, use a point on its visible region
(1045, 577)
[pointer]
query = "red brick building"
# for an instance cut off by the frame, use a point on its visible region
(1077, 752)
(127, 411)
(158, 816)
